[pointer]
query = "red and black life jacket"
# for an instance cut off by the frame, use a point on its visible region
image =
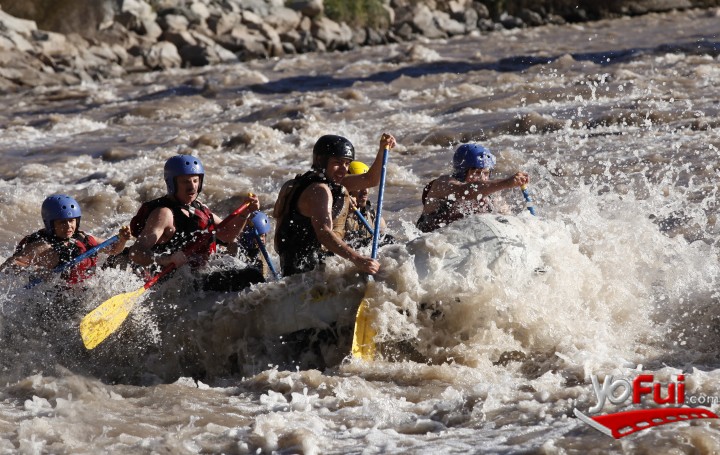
(188, 229)
(67, 250)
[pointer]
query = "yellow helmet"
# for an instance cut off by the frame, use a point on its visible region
(358, 167)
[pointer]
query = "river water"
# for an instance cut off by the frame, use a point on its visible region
(616, 121)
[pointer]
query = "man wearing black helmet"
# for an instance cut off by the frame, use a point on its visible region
(311, 209)
(170, 229)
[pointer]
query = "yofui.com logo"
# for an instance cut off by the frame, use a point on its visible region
(620, 391)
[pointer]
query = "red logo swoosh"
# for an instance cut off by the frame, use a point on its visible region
(621, 424)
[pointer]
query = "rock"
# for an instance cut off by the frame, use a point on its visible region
(19, 41)
(531, 18)
(469, 18)
(6, 44)
(283, 20)
(138, 9)
(481, 10)
(200, 10)
(247, 43)
(163, 55)
(309, 8)
(173, 23)
(450, 26)
(53, 44)
(10, 23)
(423, 22)
(222, 24)
(251, 19)
(180, 39)
(332, 34)
(510, 22)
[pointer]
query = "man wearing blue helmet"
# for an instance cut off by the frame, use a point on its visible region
(61, 241)
(171, 228)
(467, 190)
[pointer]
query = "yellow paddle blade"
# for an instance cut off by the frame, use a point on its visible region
(363, 346)
(106, 318)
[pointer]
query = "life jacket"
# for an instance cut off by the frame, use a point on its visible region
(295, 240)
(66, 250)
(188, 229)
(450, 210)
(355, 229)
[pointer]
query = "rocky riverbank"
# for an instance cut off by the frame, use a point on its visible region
(47, 42)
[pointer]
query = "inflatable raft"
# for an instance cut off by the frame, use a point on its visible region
(450, 259)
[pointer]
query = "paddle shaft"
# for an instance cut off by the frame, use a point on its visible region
(265, 254)
(364, 221)
(529, 202)
(378, 213)
(66, 265)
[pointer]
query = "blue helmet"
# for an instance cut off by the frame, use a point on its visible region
(471, 156)
(182, 165)
(261, 222)
(59, 207)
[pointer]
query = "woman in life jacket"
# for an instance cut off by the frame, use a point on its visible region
(311, 209)
(468, 190)
(356, 233)
(59, 242)
(178, 229)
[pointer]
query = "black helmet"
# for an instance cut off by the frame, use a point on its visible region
(333, 146)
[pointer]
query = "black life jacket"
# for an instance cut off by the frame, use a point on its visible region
(295, 240)
(66, 250)
(188, 229)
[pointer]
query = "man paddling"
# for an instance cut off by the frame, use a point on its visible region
(312, 208)
(468, 190)
(356, 233)
(60, 242)
(178, 229)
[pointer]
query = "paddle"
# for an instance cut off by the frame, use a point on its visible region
(363, 346)
(265, 254)
(66, 265)
(529, 202)
(363, 220)
(101, 322)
